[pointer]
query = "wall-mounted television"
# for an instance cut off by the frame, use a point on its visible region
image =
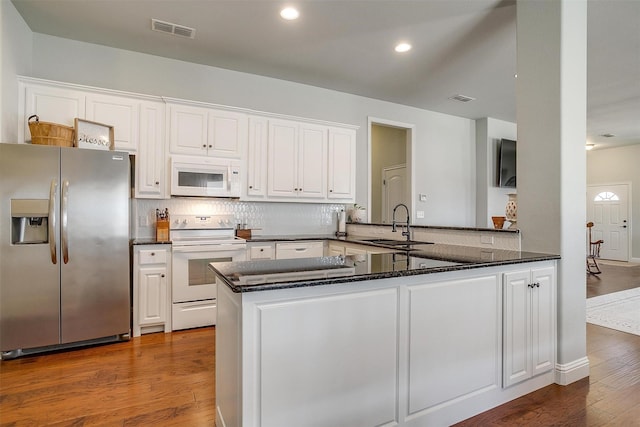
(507, 163)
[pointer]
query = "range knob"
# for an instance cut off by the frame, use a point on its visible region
(185, 222)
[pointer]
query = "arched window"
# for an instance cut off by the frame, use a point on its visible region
(606, 196)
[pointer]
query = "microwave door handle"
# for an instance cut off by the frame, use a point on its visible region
(53, 190)
(64, 246)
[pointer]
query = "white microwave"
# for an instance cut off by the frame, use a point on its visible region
(205, 176)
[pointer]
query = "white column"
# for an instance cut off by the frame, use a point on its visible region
(551, 118)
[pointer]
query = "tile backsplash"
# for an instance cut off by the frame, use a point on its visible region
(262, 217)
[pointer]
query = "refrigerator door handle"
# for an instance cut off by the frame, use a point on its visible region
(64, 247)
(52, 221)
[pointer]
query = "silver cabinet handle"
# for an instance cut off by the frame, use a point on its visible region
(53, 190)
(63, 221)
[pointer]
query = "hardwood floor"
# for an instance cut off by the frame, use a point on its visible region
(168, 379)
(154, 380)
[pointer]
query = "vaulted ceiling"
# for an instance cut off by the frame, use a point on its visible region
(465, 47)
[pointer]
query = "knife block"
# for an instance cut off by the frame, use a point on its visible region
(162, 230)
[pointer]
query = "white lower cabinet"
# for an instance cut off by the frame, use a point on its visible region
(427, 349)
(261, 250)
(151, 288)
(529, 324)
(289, 250)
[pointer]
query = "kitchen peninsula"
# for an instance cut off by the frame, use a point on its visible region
(426, 337)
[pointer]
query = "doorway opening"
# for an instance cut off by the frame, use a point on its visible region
(390, 168)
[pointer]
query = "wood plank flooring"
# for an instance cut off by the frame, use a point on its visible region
(154, 380)
(168, 380)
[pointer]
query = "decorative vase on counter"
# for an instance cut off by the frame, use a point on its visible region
(511, 210)
(357, 214)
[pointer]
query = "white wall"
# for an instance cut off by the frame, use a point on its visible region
(16, 43)
(445, 168)
(490, 199)
(616, 166)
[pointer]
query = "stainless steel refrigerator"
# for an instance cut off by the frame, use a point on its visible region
(64, 247)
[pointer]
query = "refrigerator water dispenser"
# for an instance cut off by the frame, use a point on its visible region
(29, 221)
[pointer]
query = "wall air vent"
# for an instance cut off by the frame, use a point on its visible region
(462, 98)
(607, 135)
(175, 29)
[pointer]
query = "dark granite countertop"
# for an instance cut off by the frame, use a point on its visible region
(249, 276)
(149, 241)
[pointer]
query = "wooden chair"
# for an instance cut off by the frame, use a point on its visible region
(593, 252)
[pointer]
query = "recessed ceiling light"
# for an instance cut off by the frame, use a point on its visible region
(589, 146)
(402, 47)
(289, 13)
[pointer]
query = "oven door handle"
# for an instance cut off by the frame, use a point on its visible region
(223, 247)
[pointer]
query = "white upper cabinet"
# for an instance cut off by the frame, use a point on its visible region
(297, 155)
(151, 159)
(57, 103)
(120, 112)
(51, 104)
(342, 164)
(202, 131)
(312, 161)
(257, 158)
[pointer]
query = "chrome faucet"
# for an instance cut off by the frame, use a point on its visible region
(406, 233)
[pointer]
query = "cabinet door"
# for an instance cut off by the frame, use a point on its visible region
(226, 134)
(312, 161)
(517, 326)
(299, 250)
(150, 161)
(153, 295)
(342, 164)
(120, 112)
(52, 104)
(257, 157)
(542, 319)
(188, 134)
(335, 250)
(283, 159)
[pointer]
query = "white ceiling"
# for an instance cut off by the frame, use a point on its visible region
(463, 47)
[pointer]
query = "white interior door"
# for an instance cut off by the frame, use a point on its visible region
(608, 209)
(394, 179)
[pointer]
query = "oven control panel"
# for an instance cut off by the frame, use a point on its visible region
(199, 222)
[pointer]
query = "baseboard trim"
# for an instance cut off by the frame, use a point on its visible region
(634, 260)
(567, 373)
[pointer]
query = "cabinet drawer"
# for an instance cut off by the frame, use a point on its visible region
(261, 252)
(153, 256)
(299, 250)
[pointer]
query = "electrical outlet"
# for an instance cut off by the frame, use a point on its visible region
(143, 220)
(423, 197)
(419, 214)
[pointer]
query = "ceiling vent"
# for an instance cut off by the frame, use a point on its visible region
(462, 98)
(175, 29)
